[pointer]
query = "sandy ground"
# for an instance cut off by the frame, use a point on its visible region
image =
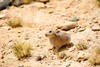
(38, 18)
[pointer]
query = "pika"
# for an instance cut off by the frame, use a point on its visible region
(58, 38)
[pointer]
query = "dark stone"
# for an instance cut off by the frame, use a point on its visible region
(5, 4)
(39, 58)
(21, 66)
(74, 19)
(16, 2)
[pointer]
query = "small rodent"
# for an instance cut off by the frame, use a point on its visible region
(58, 38)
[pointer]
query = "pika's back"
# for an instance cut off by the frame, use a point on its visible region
(64, 35)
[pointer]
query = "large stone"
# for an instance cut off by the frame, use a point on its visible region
(26, 1)
(67, 25)
(16, 2)
(39, 5)
(5, 4)
(96, 27)
(44, 1)
(20, 2)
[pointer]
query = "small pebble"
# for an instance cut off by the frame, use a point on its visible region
(81, 29)
(26, 38)
(39, 58)
(96, 27)
(21, 66)
(74, 19)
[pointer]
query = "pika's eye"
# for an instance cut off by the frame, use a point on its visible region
(50, 31)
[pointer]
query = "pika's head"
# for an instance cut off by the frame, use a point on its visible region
(52, 33)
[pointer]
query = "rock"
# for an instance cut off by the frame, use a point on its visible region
(81, 57)
(39, 58)
(21, 66)
(1, 49)
(16, 2)
(20, 2)
(26, 1)
(44, 1)
(3, 61)
(26, 38)
(67, 25)
(0, 25)
(5, 4)
(2, 16)
(96, 27)
(39, 5)
(89, 39)
(81, 29)
(74, 19)
(6, 28)
(0, 55)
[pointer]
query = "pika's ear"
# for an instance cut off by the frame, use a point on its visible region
(57, 31)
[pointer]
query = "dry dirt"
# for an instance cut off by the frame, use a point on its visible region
(39, 18)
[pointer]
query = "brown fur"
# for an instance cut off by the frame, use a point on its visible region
(58, 38)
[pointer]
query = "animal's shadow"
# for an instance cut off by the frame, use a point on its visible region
(66, 47)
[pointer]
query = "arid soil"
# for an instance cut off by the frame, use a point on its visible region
(38, 18)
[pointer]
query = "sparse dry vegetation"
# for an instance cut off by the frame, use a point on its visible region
(94, 59)
(61, 55)
(97, 50)
(81, 45)
(15, 22)
(22, 50)
(98, 2)
(95, 56)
